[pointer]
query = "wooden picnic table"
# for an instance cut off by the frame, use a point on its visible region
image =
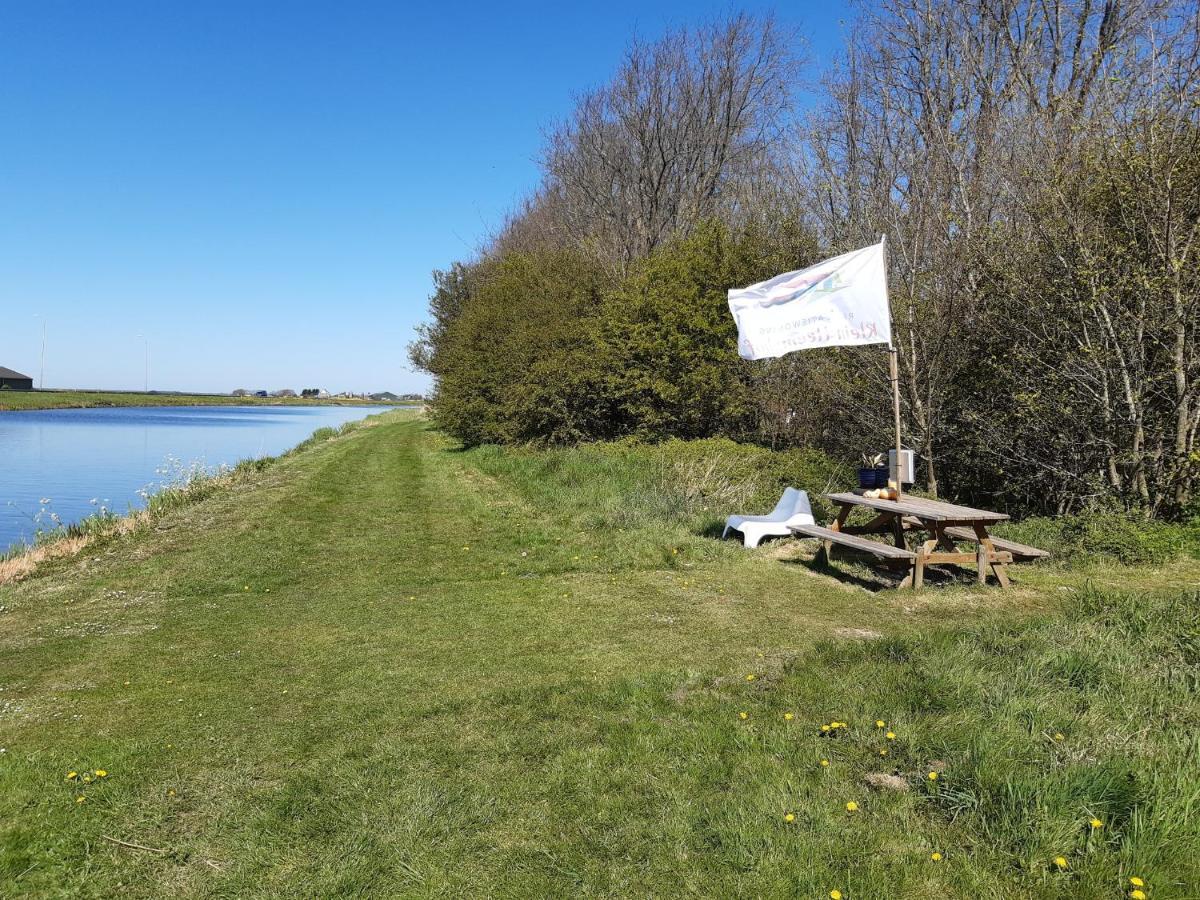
(945, 523)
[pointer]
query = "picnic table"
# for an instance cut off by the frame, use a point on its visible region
(944, 523)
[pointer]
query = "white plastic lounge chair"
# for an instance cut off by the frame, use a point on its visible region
(792, 509)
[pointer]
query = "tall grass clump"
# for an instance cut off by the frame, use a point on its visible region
(1127, 536)
(693, 484)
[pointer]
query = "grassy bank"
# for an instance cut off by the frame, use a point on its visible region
(83, 399)
(381, 667)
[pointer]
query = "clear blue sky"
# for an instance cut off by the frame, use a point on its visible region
(262, 188)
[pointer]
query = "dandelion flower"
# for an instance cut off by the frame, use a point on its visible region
(1061, 863)
(891, 735)
(883, 751)
(127, 684)
(743, 716)
(86, 778)
(933, 776)
(749, 677)
(1137, 894)
(412, 598)
(80, 799)
(1059, 736)
(825, 763)
(787, 717)
(171, 792)
(1137, 882)
(790, 817)
(71, 776)
(101, 773)
(835, 895)
(824, 727)
(935, 856)
(879, 723)
(1096, 824)
(851, 806)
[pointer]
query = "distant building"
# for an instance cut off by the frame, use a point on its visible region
(14, 381)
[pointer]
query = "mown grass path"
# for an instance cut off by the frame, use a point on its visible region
(376, 671)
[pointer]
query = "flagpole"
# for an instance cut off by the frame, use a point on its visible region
(894, 374)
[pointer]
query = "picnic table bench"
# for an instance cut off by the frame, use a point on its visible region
(944, 522)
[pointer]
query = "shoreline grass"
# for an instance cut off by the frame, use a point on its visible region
(22, 561)
(385, 667)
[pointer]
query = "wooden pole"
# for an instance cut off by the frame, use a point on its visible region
(894, 376)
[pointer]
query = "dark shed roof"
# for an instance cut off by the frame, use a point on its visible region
(9, 373)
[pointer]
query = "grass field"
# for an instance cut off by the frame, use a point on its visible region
(385, 667)
(81, 399)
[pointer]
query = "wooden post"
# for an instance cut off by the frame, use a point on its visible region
(894, 375)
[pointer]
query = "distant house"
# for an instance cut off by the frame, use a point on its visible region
(14, 381)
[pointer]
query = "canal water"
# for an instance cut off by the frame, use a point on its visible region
(65, 464)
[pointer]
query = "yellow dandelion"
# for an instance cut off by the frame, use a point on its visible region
(101, 773)
(851, 806)
(1137, 894)
(127, 684)
(1061, 863)
(171, 792)
(1059, 736)
(935, 856)
(787, 717)
(749, 677)
(743, 716)
(86, 778)
(80, 799)
(1137, 882)
(835, 895)
(412, 598)
(933, 776)
(883, 751)
(879, 723)
(891, 735)
(1096, 824)
(790, 817)
(824, 727)
(71, 776)
(825, 763)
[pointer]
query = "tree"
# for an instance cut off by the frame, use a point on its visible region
(668, 144)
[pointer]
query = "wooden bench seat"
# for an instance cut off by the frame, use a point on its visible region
(829, 536)
(1018, 551)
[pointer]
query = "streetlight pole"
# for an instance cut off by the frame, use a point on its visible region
(146, 338)
(42, 371)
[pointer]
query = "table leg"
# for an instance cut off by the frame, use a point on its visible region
(986, 556)
(835, 525)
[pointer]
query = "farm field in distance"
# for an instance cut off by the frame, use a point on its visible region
(55, 399)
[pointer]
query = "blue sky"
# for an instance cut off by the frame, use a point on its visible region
(261, 189)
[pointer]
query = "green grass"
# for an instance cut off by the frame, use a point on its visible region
(53, 399)
(380, 666)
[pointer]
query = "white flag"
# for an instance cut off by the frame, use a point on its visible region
(840, 302)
